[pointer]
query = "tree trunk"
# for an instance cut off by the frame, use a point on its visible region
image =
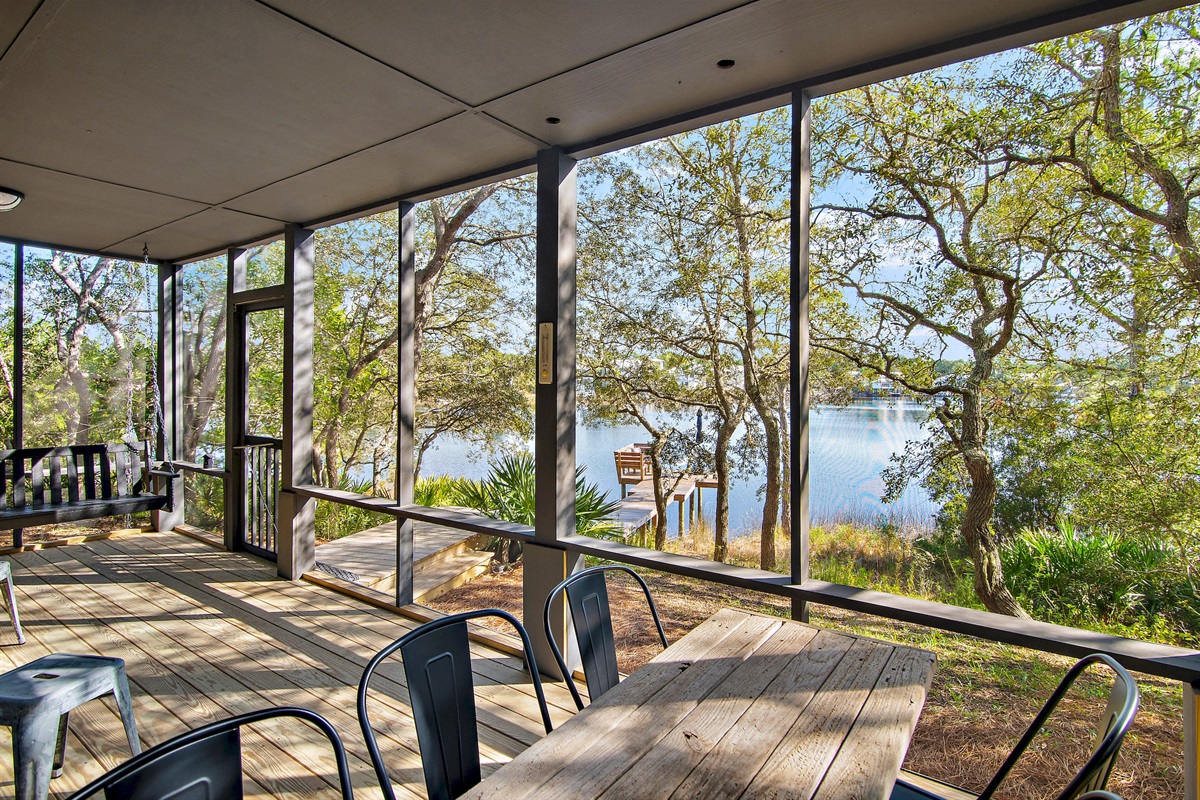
(976, 525)
(785, 472)
(770, 514)
(332, 463)
(660, 493)
(209, 377)
(725, 431)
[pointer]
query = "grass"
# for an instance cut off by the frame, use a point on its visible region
(983, 696)
(1071, 580)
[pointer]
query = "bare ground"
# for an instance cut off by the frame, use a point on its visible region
(983, 697)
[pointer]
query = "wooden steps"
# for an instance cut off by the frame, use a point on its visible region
(443, 559)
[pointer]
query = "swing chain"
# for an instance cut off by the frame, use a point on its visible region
(159, 415)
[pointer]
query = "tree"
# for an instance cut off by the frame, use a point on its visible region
(88, 355)
(683, 264)
(205, 318)
(1112, 442)
(469, 368)
(743, 165)
(940, 240)
(474, 366)
(1117, 110)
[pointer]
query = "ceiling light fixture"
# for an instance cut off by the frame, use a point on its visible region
(10, 199)
(553, 120)
(726, 63)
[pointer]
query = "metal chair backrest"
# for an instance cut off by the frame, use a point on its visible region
(203, 764)
(1118, 717)
(437, 669)
(587, 599)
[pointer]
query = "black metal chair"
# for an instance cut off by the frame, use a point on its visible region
(587, 598)
(203, 764)
(437, 668)
(1093, 775)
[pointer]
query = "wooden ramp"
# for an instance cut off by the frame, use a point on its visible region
(636, 510)
(207, 634)
(443, 559)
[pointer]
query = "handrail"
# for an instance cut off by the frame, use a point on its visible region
(192, 466)
(1151, 658)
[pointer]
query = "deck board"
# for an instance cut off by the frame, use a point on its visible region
(207, 634)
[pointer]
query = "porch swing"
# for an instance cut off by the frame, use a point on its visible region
(50, 485)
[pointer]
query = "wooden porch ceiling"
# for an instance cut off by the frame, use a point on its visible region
(194, 126)
(207, 634)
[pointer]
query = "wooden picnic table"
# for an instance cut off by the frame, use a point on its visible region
(746, 705)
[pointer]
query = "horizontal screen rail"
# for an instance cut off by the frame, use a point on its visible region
(1165, 661)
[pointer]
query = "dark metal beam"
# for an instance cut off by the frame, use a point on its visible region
(1154, 659)
(554, 411)
(801, 193)
(83, 251)
(297, 514)
(1165, 661)
(237, 414)
(259, 299)
(170, 365)
(18, 362)
(554, 423)
(406, 405)
(171, 358)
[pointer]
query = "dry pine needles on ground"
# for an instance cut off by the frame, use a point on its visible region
(983, 697)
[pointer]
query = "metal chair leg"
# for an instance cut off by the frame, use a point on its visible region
(60, 750)
(125, 706)
(34, 742)
(6, 576)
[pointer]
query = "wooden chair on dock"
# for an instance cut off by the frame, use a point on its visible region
(633, 465)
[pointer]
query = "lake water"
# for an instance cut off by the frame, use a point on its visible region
(850, 447)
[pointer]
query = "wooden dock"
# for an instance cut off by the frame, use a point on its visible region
(636, 510)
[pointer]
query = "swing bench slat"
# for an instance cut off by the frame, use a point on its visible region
(32, 481)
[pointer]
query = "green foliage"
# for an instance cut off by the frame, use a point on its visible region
(1100, 578)
(205, 501)
(439, 490)
(89, 346)
(335, 520)
(205, 319)
(509, 493)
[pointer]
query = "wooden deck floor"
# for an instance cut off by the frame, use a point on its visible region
(206, 634)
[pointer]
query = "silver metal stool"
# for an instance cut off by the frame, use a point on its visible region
(35, 701)
(6, 579)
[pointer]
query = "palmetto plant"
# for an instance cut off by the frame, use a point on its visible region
(1096, 575)
(509, 493)
(439, 490)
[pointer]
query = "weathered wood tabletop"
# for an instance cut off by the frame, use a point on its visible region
(743, 706)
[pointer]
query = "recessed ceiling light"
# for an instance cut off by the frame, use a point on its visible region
(553, 120)
(726, 63)
(10, 199)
